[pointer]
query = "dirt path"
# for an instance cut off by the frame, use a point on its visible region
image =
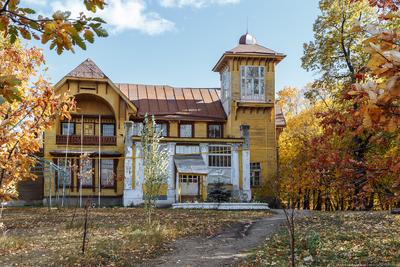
(223, 249)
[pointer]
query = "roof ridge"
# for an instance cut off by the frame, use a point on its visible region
(174, 87)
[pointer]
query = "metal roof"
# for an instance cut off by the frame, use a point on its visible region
(251, 48)
(168, 102)
(190, 164)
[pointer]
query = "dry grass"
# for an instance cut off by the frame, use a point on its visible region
(117, 236)
(336, 239)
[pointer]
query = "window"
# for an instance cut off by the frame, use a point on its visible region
(67, 128)
(252, 83)
(107, 173)
(86, 172)
(219, 156)
(88, 128)
(185, 130)
(108, 129)
(162, 129)
(255, 171)
(64, 177)
(215, 131)
(137, 128)
(225, 83)
(189, 178)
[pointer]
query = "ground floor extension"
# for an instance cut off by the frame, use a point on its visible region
(195, 167)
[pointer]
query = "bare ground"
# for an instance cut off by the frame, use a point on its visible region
(224, 249)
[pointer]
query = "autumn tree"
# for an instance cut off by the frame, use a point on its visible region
(24, 117)
(18, 21)
(294, 143)
(356, 158)
(155, 164)
(336, 54)
(28, 104)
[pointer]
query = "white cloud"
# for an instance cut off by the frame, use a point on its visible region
(122, 15)
(196, 3)
(34, 2)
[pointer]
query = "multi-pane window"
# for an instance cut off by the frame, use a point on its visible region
(184, 178)
(252, 83)
(86, 172)
(255, 172)
(137, 128)
(64, 176)
(67, 128)
(88, 128)
(162, 129)
(107, 174)
(225, 83)
(185, 130)
(215, 131)
(219, 156)
(108, 129)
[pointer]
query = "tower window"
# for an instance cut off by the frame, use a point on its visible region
(225, 83)
(252, 83)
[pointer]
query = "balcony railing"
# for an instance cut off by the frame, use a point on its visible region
(87, 140)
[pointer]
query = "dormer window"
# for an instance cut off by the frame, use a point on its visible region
(252, 83)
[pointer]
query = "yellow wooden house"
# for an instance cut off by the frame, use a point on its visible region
(225, 135)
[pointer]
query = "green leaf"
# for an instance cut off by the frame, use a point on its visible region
(98, 19)
(13, 34)
(78, 40)
(100, 32)
(28, 10)
(95, 25)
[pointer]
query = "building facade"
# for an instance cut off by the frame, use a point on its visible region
(214, 136)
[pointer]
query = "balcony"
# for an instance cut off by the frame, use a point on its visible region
(87, 140)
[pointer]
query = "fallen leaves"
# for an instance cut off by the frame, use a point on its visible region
(336, 239)
(117, 236)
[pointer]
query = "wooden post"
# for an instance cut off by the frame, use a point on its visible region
(99, 161)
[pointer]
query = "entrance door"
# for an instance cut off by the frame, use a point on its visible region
(190, 186)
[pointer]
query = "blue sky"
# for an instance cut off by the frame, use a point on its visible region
(177, 42)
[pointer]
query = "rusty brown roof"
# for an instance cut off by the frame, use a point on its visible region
(173, 103)
(87, 69)
(251, 48)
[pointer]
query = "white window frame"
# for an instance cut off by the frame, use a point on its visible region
(67, 171)
(163, 128)
(225, 83)
(137, 128)
(86, 177)
(223, 158)
(70, 126)
(191, 130)
(252, 93)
